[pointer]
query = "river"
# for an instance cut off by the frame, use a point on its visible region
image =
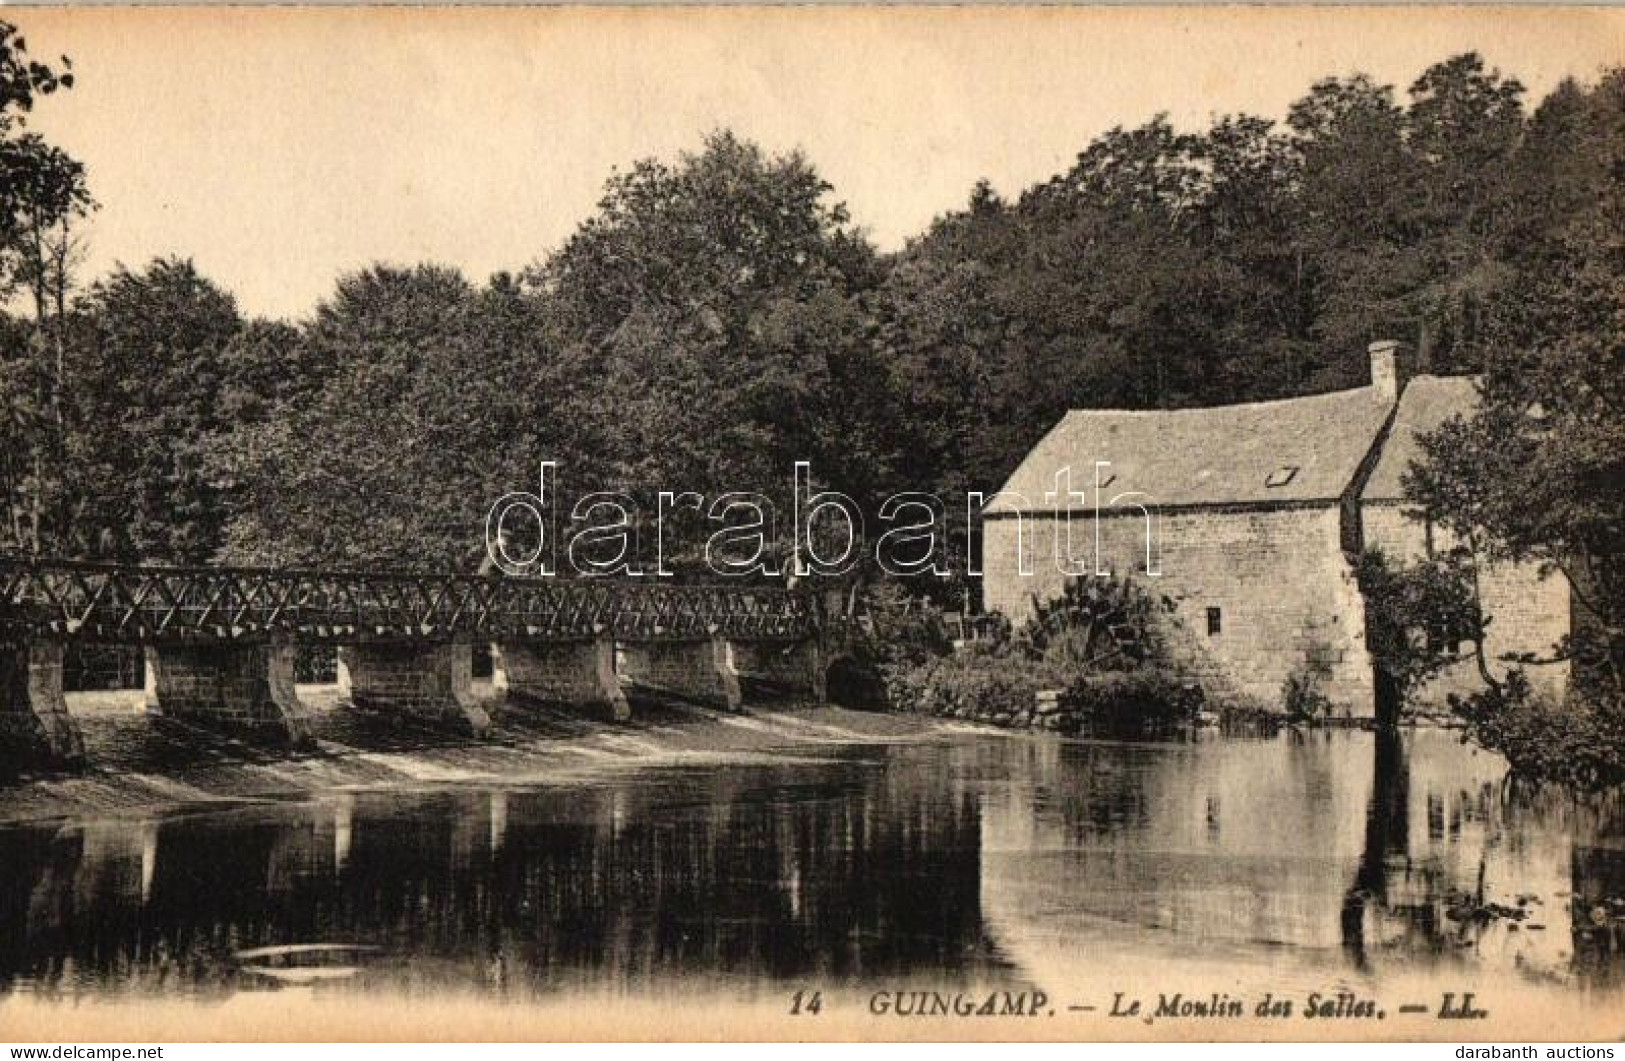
(1320, 861)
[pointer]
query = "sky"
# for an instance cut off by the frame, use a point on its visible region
(282, 147)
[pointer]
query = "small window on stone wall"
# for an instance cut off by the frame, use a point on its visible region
(1215, 621)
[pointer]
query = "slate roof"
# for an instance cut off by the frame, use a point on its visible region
(1214, 456)
(1428, 401)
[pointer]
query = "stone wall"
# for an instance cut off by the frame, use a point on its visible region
(570, 673)
(426, 683)
(242, 688)
(1527, 613)
(1284, 596)
(34, 721)
(699, 671)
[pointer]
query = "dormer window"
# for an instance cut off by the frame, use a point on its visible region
(1281, 476)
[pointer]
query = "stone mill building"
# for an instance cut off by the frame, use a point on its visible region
(1255, 513)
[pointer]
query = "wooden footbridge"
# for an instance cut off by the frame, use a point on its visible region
(220, 642)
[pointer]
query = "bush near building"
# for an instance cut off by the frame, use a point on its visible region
(1579, 743)
(1060, 673)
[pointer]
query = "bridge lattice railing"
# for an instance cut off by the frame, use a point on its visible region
(118, 603)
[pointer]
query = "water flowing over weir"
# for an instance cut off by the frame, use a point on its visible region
(163, 761)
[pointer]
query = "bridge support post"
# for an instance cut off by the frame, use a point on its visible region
(34, 720)
(699, 671)
(429, 683)
(572, 673)
(239, 688)
(793, 670)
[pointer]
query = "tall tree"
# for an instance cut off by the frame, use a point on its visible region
(395, 417)
(33, 175)
(1539, 473)
(692, 296)
(1357, 215)
(1463, 129)
(42, 194)
(152, 368)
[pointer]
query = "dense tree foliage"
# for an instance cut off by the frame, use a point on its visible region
(715, 304)
(1250, 261)
(393, 417)
(1539, 473)
(718, 317)
(149, 377)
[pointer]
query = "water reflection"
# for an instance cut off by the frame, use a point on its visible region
(1282, 861)
(990, 860)
(842, 871)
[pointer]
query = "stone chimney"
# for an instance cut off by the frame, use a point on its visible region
(1384, 369)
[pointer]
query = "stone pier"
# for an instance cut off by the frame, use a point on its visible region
(427, 683)
(245, 689)
(577, 674)
(34, 720)
(699, 671)
(792, 670)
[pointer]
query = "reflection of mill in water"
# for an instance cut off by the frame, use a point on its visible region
(1459, 882)
(1446, 875)
(1281, 860)
(1394, 897)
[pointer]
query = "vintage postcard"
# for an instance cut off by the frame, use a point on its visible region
(812, 523)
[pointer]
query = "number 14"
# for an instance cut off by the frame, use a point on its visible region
(804, 1002)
